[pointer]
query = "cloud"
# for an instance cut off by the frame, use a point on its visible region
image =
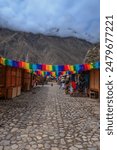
(71, 17)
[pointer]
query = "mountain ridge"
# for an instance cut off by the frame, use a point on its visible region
(40, 48)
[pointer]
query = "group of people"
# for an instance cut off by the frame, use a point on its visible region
(73, 83)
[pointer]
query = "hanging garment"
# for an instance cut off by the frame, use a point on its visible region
(73, 77)
(73, 85)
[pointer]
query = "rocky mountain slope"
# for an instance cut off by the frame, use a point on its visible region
(93, 54)
(38, 48)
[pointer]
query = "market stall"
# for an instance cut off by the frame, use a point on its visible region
(10, 81)
(94, 83)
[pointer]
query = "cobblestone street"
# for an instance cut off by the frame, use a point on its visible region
(47, 119)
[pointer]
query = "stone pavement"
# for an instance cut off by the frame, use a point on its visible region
(47, 119)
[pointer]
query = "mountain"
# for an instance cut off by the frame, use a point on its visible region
(39, 48)
(93, 54)
(69, 31)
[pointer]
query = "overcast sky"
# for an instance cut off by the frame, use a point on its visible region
(79, 18)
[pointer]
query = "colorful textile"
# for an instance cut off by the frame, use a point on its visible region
(73, 83)
(47, 70)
